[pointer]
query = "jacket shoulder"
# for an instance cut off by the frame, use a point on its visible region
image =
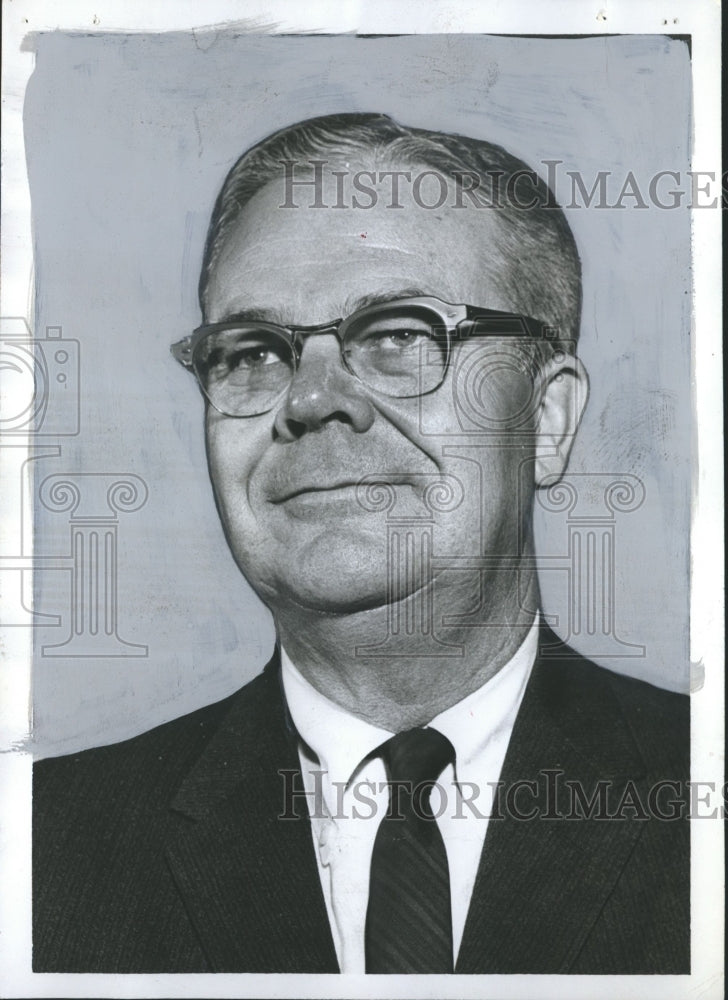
(104, 896)
(150, 764)
(658, 719)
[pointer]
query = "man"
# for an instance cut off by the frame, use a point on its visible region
(424, 779)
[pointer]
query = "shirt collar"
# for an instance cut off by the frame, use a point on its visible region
(489, 712)
(341, 740)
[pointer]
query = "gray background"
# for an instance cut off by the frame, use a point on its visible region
(128, 139)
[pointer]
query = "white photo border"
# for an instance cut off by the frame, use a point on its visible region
(700, 19)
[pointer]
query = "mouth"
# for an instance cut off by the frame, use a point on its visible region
(312, 489)
(344, 487)
(323, 504)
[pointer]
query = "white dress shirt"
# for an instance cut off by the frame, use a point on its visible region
(348, 794)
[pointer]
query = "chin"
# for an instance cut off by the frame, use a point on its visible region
(337, 571)
(329, 598)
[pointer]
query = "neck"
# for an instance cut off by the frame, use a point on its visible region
(400, 681)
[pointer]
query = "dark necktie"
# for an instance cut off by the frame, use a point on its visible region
(409, 922)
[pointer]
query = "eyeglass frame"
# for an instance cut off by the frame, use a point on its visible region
(453, 315)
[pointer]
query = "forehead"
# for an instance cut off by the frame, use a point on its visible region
(309, 264)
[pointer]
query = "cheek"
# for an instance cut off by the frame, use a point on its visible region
(492, 483)
(231, 456)
(220, 453)
(492, 390)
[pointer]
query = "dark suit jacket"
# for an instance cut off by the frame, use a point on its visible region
(165, 853)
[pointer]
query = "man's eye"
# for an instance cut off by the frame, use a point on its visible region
(243, 360)
(404, 338)
(253, 356)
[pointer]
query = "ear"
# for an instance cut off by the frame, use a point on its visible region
(564, 386)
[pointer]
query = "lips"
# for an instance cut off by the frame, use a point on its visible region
(337, 462)
(283, 492)
(293, 491)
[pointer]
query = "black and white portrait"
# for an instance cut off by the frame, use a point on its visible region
(354, 493)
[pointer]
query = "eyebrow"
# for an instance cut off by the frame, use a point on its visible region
(381, 298)
(351, 305)
(253, 315)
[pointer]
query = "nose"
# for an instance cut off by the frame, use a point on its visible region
(323, 391)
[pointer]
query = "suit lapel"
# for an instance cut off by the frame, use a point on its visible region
(542, 882)
(249, 879)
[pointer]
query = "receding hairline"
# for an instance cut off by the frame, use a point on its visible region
(476, 233)
(541, 266)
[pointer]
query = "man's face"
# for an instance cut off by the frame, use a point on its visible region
(286, 481)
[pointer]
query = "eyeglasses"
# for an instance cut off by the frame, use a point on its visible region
(400, 348)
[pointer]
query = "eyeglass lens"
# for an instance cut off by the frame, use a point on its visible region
(396, 350)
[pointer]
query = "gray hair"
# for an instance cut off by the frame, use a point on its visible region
(542, 272)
